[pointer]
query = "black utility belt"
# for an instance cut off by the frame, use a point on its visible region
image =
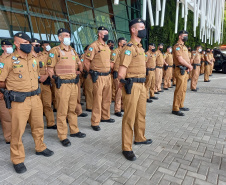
(170, 66)
(159, 67)
(15, 96)
(100, 73)
(206, 63)
(59, 81)
(150, 69)
(136, 80)
(196, 64)
(47, 81)
(182, 69)
(129, 83)
(115, 74)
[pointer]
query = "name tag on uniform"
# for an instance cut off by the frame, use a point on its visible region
(16, 62)
(128, 52)
(64, 57)
(17, 66)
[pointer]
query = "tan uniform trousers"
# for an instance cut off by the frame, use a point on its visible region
(180, 90)
(207, 72)
(66, 99)
(46, 97)
(113, 88)
(101, 99)
(195, 77)
(134, 115)
(5, 120)
(88, 91)
(78, 109)
(150, 84)
(174, 79)
(168, 77)
(158, 79)
(202, 68)
(20, 113)
(53, 87)
(118, 96)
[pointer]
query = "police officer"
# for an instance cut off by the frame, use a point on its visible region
(202, 63)
(97, 63)
(115, 59)
(63, 63)
(168, 69)
(208, 63)
(4, 112)
(182, 63)
(132, 73)
(88, 85)
(189, 54)
(212, 60)
(196, 62)
(150, 72)
(110, 44)
(159, 68)
(20, 72)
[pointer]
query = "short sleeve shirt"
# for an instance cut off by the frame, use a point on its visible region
(180, 49)
(151, 59)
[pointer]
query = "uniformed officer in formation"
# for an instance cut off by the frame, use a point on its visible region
(97, 63)
(150, 73)
(168, 68)
(213, 60)
(115, 59)
(4, 112)
(196, 62)
(182, 63)
(202, 62)
(208, 63)
(132, 73)
(63, 63)
(20, 73)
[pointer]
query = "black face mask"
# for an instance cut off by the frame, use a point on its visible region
(153, 50)
(111, 47)
(161, 49)
(142, 33)
(185, 39)
(26, 48)
(37, 49)
(105, 38)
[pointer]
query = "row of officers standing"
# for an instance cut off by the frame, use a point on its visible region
(31, 81)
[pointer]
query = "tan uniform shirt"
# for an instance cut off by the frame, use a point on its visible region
(151, 59)
(203, 57)
(180, 49)
(68, 60)
(169, 58)
(207, 57)
(20, 74)
(115, 58)
(189, 54)
(159, 58)
(99, 55)
(132, 57)
(196, 57)
(43, 58)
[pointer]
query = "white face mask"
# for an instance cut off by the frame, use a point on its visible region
(48, 48)
(200, 50)
(67, 41)
(9, 50)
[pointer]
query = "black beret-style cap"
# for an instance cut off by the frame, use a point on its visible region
(5, 42)
(121, 38)
(102, 28)
(134, 21)
(160, 44)
(62, 30)
(86, 48)
(23, 36)
(110, 41)
(182, 32)
(169, 47)
(35, 40)
(45, 42)
(151, 44)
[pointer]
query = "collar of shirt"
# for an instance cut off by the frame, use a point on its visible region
(63, 47)
(103, 44)
(135, 43)
(180, 43)
(3, 56)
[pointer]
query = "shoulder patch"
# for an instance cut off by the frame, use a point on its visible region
(128, 52)
(90, 49)
(51, 55)
(129, 44)
(178, 48)
(113, 54)
(81, 60)
(1, 65)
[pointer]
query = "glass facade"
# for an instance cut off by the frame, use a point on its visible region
(42, 19)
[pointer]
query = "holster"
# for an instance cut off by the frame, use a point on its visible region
(94, 75)
(57, 81)
(115, 74)
(166, 67)
(147, 71)
(128, 85)
(182, 69)
(6, 98)
(47, 81)
(206, 63)
(85, 74)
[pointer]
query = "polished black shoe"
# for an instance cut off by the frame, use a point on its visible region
(195, 90)
(184, 109)
(7, 142)
(154, 98)
(20, 168)
(157, 93)
(174, 85)
(88, 110)
(78, 134)
(166, 89)
(161, 91)
(147, 142)
(122, 110)
(119, 114)
(149, 101)
(54, 110)
(129, 155)
(207, 81)
(66, 142)
(83, 115)
(178, 113)
(108, 120)
(96, 128)
(52, 127)
(46, 153)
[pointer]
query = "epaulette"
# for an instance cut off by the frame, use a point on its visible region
(129, 44)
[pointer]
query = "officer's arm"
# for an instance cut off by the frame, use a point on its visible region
(80, 66)
(51, 62)
(122, 72)
(50, 71)
(112, 65)
(89, 55)
(184, 63)
(87, 64)
(2, 85)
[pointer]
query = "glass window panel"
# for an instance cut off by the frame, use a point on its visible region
(101, 5)
(80, 13)
(85, 2)
(122, 24)
(46, 29)
(54, 8)
(14, 4)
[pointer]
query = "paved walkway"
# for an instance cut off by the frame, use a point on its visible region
(186, 150)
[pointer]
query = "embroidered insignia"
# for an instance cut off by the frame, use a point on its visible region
(49, 62)
(64, 57)
(51, 55)
(73, 57)
(88, 54)
(1, 65)
(17, 66)
(113, 54)
(128, 52)
(178, 49)
(14, 58)
(35, 62)
(82, 60)
(16, 62)
(90, 49)
(20, 75)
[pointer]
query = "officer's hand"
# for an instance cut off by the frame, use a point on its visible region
(190, 67)
(1, 96)
(120, 85)
(78, 72)
(43, 78)
(167, 64)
